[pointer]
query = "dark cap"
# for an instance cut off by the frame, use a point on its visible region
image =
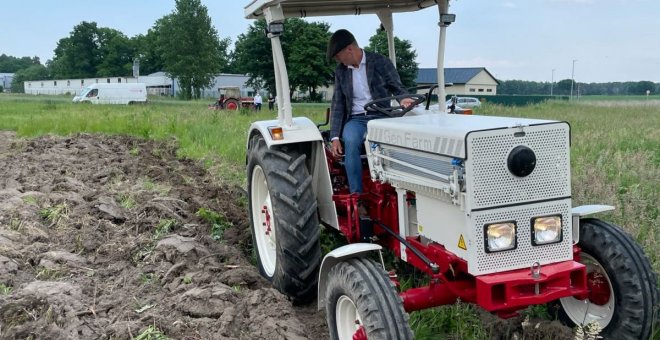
(338, 41)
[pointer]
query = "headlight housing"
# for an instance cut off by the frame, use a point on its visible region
(546, 230)
(500, 236)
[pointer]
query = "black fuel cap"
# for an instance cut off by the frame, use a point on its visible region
(521, 161)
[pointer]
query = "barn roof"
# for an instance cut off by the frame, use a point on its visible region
(460, 75)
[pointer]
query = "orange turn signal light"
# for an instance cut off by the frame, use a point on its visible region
(276, 133)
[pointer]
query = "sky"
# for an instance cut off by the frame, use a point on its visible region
(535, 40)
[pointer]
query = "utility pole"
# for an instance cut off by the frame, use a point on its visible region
(573, 78)
(552, 81)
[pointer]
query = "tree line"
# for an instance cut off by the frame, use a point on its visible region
(187, 46)
(563, 88)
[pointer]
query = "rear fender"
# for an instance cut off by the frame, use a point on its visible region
(338, 255)
(584, 210)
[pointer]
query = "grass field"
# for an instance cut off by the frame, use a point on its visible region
(615, 153)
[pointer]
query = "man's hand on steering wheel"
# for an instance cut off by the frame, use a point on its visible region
(407, 102)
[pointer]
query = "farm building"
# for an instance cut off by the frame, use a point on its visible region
(5, 81)
(68, 86)
(158, 83)
(466, 81)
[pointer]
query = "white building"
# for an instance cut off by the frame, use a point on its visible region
(474, 81)
(158, 83)
(68, 86)
(5, 81)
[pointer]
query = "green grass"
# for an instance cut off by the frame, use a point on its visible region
(615, 159)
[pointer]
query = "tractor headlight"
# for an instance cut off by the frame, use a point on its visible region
(500, 236)
(546, 230)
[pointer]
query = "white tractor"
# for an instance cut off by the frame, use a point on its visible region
(480, 204)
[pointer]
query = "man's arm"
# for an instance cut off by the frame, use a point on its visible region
(337, 108)
(393, 82)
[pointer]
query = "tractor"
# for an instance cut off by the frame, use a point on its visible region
(230, 99)
(480, 204)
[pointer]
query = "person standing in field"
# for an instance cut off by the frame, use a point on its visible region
(257, 101)
(271, 102)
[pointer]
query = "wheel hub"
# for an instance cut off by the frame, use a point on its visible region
(600, 303)
(599, 288)
(360, 334)
(266, 217)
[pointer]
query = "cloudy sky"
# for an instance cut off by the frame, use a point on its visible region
(611, 40)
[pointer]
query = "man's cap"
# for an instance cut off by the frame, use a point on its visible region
(340, 39)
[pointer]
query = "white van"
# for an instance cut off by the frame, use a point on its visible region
(113, 93)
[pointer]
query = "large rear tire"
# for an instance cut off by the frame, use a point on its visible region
(285, 227)
(232, 104)
(363, 303)
(622, 286)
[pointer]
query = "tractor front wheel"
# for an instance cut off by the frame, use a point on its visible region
(622, 286)
(285, 227)
(362, 303)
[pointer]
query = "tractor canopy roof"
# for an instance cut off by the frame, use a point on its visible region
(276, 11)
(308, 8)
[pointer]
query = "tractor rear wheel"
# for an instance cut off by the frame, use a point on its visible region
(362, 303)
(285, 227)
(232, 104)
(622, 285)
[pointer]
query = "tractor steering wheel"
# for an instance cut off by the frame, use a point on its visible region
(395, 111)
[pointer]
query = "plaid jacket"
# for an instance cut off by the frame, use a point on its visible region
(383, 81)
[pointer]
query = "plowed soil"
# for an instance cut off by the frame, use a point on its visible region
(109, 237)
(100, 238)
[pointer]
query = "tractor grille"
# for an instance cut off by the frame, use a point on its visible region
(437, 164)
(525, 254)
(490, 184)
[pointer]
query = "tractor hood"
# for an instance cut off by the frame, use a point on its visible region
(441, 134)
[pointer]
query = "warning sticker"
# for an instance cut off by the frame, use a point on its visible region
(461, 243)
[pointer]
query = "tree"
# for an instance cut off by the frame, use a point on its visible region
(34, 72)
(149, 52)
(78, 55)
(190, 47)
(9, 64)
(309, 67)
(116, 53)
(303, 45)
(253, 56)
(405, 56)
(564, 87)
(640, 88)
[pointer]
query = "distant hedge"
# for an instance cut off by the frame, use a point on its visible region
(513, 100)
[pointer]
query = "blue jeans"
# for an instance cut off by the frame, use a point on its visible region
(354, 134)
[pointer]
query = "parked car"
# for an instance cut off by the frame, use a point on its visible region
(465, 102)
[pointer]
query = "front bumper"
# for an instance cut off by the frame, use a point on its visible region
(509, 291)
